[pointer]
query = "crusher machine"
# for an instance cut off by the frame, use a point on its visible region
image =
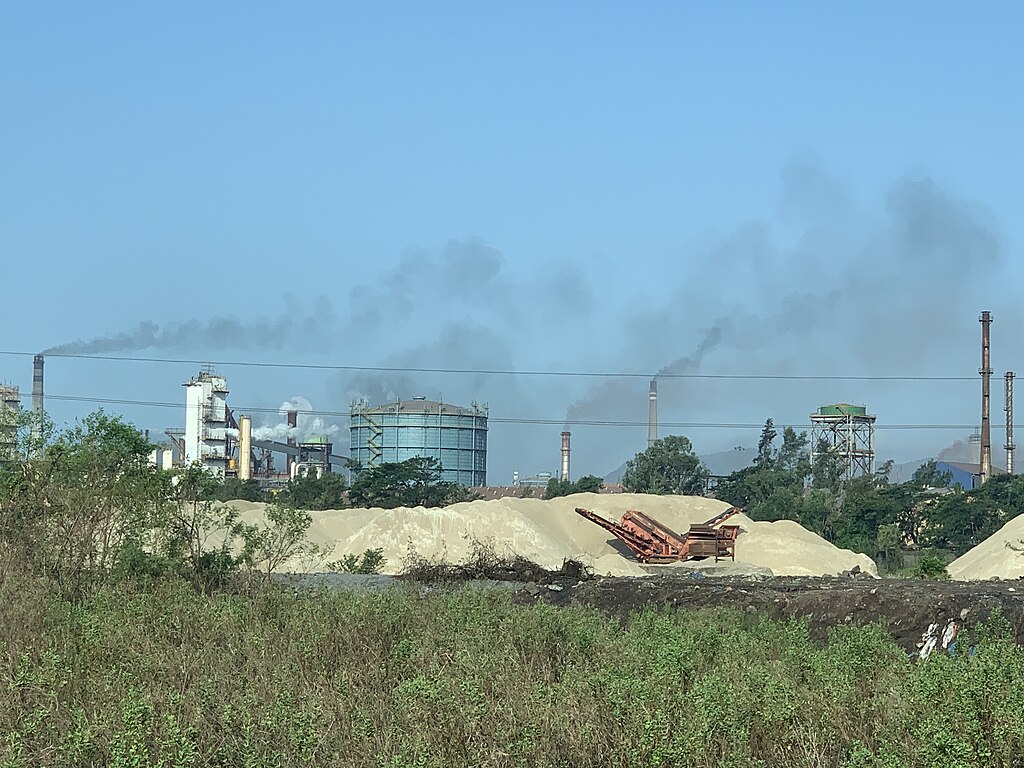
(653, 542)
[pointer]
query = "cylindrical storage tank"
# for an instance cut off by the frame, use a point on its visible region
(454, 435)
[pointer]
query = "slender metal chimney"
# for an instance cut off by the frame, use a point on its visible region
(652, 415)
(566, 436)
(244, 447)
(37, 400)
(1009, 423)
(985, 471)
(293, 422)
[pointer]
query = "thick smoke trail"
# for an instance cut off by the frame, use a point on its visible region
(691, 363)
(296, 327)
(610, 395)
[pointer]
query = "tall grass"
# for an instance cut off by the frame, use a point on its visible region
(163, 676)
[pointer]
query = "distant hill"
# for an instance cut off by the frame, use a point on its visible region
(721, 463)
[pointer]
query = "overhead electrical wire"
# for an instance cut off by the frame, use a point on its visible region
(492, 371)
(502, 420)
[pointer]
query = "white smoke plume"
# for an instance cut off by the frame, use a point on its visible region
(308, 423)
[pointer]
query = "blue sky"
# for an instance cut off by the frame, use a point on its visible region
(586, 186)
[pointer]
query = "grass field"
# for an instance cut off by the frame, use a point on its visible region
(165, 676)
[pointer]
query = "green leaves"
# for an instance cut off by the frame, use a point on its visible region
(415, 482)
(587, 484)
(668, 466)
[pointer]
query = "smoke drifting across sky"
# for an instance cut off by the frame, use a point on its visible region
(298, 326)
(832, 286)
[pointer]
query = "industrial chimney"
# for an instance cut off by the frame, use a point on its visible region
(986, 375)
(293, 422)
(652, 415)
(1009, 423)
(244, 447)
(37, 401)
(566, 436)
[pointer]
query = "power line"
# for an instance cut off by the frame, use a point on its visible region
(505, 420)
(492, 371)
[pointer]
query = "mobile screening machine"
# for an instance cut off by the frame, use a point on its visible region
(653, 542)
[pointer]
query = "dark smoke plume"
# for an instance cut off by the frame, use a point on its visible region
(292, 328)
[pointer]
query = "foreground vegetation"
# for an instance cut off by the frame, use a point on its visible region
(161, 675)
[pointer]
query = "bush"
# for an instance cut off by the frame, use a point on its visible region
(371, 561)
(167, 676)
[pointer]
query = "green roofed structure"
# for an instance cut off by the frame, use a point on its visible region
(847, 432)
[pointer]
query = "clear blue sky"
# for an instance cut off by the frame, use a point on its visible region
(529, 185)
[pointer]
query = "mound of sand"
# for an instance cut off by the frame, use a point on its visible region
(995, 556)
(548, 532)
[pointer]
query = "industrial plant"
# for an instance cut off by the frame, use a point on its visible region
(227, 445)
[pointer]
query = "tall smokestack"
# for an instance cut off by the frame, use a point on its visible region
(1009, 423)
(293, 422)
(37, 400)
(652, 415)
(986, 375)
(244, 447)
(566, 436)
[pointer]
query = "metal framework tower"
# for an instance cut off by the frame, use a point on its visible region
(10, 405)
(1010, 447)
(986, 376)
(847, 432)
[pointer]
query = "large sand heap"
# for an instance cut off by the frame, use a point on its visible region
(995, 556)
(547, 532)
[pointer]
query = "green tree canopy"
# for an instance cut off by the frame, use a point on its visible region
(316, 493)
(587, 484)
(928, 475)
(415, 482)
(668, 466)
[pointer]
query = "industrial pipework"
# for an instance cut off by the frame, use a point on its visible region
(986, 375)
(652, 415)
(1009, 423)
(566, 436)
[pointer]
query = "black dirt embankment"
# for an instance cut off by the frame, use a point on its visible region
(905, 607)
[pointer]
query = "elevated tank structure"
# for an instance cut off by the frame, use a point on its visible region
(404, 429)
(847, 432)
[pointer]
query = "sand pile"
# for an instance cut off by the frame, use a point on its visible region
(995, 556)
(547, 532)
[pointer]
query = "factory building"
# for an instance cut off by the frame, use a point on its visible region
(392, 432)
(206, 422)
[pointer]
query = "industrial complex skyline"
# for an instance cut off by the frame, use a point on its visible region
(406, 191)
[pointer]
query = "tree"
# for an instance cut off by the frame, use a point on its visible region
(316, 493)
(928, 475)
(668, 466)
(827, 472)
(586, 484)
(765, 448)
(69, 511)
(282, 537)
(415, 482)
(232, 489)
(793, 455)
(771, 489)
